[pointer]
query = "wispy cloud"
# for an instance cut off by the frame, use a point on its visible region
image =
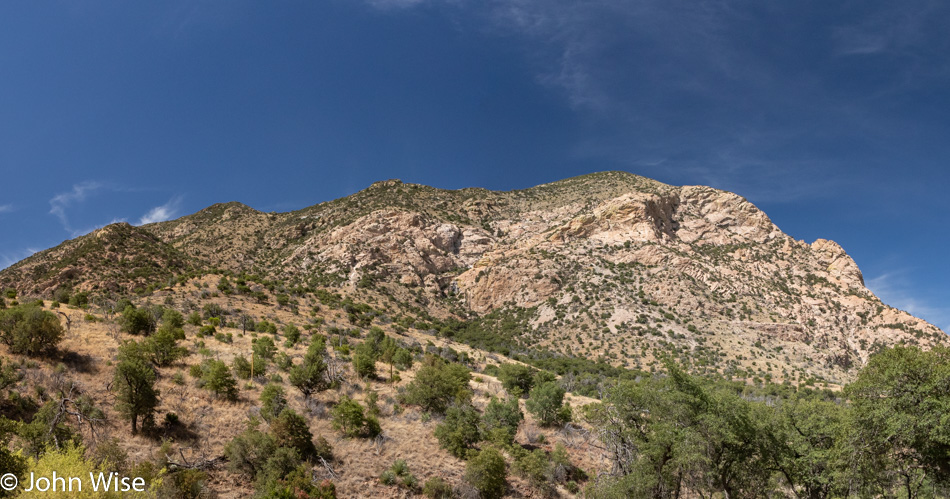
(164, 212)
(60, 203)
(894, 289)
(9, 258)
(896, 28)
(6, 208)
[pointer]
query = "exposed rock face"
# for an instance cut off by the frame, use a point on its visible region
(610, 265)
(408, 245)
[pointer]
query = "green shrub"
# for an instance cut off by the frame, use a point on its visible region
(459, 431)
(546, 403)
(291, 430)
(30, 330)
(163, 347)
(437, 385)
(291, 334)
(173, 318)
(134, 384)
(399, 474)
(248, 452)
(486, 473)
(517, 379)
(264, 347)
(501, 420)
(349, 417)
(437, 488)
(311, 375)
(364, 365)
(273, 401)
(243, 368)
(217, 378)
(137, 321)
(194, 318)
(535, 467)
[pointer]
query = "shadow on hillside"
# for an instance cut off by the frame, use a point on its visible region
(78, 362)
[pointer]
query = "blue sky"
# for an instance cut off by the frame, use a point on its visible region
(833, 117)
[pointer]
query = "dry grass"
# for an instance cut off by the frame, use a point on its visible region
(211, 422)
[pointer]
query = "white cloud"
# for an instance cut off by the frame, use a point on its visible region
(60, 202)
(8, 259)
(6, 208)
(161, 213)
(893, 289)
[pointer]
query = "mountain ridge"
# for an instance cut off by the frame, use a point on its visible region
(609, 265)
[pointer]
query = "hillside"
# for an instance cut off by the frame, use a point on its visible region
(605, 333)
(608, 266)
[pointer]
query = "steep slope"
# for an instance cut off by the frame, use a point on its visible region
(118, 258)
(608, 266)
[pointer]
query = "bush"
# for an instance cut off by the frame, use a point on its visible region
(30, 330)
(273, 402)
(459, 431)
(348, 417)
(173, 319)
(403, 358)
(486, 473)
(243, 368)
(80, 299)
(437, 385)
(248, 452)
(535, 467)
(311, 375)
(437, 488)
(134, 383)
(163, 346)
(137, 321)
(364, 365)
(399, 474)
(194, 318)
(292, 334)
(516, 378)
(264, 347)
(501, 420)
(291, 430)
(546, 403)
(217, 378)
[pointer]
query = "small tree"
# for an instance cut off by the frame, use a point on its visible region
(311, 375)
(137, 321)
(438, 384)
(291, 430)
(163, 347)
(264, 347)
(364, 364)
(217, 378)
(546, 403)
(273, 402)
(348, 416)
(292, 334)
(134, 383)
(30, 330)
(486, 473)
(459, 431)
(501, 420)
(517, 379)
(246, 370)
(173, 318)
(248, 452)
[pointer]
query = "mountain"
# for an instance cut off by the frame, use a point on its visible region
(608, 266)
